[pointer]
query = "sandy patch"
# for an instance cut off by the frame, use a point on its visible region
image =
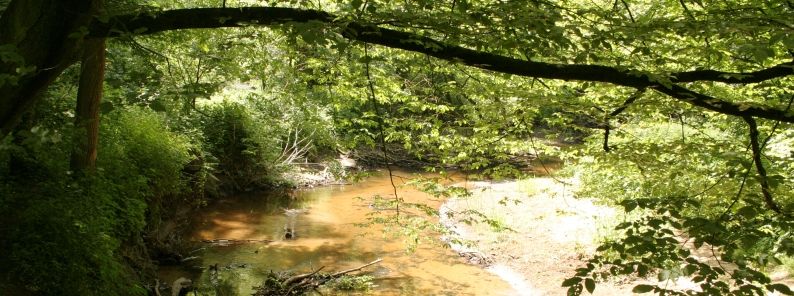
(554, 233)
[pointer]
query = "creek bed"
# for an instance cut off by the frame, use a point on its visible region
(324, 221)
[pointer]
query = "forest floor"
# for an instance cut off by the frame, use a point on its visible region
(554, 233)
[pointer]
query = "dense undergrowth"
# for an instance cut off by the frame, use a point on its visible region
(67, 232)
(64, 230)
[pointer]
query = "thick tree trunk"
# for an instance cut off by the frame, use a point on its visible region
(38, 32)
(89, 96)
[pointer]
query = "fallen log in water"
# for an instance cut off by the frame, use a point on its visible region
(228, 242)
(284, 284)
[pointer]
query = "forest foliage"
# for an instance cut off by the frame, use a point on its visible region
(678, 111)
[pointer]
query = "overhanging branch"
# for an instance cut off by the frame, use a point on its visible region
(781, 70)
(239, 17)
(198, 18)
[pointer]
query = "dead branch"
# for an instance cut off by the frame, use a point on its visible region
(355, 269)
(294, 147)
(280, 284)
(227, 242)
(301, 276)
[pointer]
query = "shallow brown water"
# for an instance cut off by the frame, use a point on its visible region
(326, 235)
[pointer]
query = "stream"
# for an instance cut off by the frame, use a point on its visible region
(324, 221)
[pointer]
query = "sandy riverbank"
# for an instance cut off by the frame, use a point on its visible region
(554, 233)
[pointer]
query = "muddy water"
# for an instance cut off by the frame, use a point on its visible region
(326, 235)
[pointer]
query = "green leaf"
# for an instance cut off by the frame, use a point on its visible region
(763, 53)
(642, 288)
(571, 281)
(783, 289)
(747, 212)
(664, 275)
(589, 284)
(690, 269)
(788, 42)
(642, 270)
(158, 106)
(106, 107)
(775, 180)
(629, 205)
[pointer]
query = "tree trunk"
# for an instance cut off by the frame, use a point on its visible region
(37, 31)
(89, 96)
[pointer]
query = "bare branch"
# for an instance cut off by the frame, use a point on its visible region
(759, 166)
(626, 104)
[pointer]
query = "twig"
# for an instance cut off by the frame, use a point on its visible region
(631, 15)
(234, 241)
(301, 276)
(759, 166)
(356, 269)
(630, 100)
(157, 287)
(381, 124)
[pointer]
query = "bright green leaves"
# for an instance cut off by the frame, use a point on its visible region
(312, 33)
(653, 242)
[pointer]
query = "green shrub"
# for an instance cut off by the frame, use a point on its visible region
(63, 233)
(138, 139)
(243, 148)
(352, 283)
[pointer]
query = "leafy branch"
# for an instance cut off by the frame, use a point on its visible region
(263, 16)
(655, 242)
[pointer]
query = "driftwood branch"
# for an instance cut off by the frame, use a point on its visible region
(301, 283)
(355, 269)
(294, 147)
(299, 277)
(227, 242)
